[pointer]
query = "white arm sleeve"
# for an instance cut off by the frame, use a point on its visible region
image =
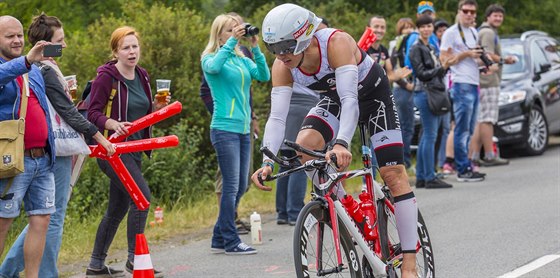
(274, 131)
(347, 88)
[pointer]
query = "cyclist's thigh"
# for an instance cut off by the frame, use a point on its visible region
(321, 124)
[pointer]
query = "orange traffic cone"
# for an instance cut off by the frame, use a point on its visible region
(142, 262)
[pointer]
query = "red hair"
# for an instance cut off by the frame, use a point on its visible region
(118, 36)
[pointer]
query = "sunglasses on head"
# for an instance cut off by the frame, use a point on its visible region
(282, 47)
(422, 3)
(466, 11)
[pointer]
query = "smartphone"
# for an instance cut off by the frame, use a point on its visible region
(52, 50)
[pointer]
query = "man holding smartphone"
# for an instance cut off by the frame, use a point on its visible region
(35, 186)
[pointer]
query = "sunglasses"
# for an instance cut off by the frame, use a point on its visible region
(422, 3)
(282, 47)
(465, 11)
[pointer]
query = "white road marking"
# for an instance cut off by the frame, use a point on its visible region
(531, 266)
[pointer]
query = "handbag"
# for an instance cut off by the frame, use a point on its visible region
(11, 139)
(438, 98)
(67, 141)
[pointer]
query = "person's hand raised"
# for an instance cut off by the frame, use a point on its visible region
(36, 53)
(238, 31)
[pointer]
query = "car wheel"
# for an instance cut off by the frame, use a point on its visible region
(536, 133)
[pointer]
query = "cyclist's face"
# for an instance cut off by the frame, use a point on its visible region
(290, 60)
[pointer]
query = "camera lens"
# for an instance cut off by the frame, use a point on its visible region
(251, 30)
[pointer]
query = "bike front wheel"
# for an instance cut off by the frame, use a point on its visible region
(391, 244)
(314, 248)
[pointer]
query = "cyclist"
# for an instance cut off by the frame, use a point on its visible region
(353, 87)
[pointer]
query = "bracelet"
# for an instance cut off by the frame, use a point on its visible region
(341, 142)
(268, 163)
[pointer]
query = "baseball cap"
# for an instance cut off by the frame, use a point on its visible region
(424, 6)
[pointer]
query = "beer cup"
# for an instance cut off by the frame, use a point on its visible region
(72, 86)
(162, 86)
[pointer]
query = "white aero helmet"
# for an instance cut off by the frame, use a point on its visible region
(289, 28)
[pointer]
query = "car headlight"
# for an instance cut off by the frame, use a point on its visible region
(507, 97)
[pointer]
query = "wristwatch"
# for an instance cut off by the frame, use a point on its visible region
(341, 142)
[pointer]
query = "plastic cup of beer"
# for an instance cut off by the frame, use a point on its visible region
(162, 86)
(72, 86)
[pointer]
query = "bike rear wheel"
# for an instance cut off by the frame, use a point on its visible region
(314, 249)
(390, 242)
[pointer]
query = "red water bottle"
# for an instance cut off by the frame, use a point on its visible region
(354, 210)
(366, 205)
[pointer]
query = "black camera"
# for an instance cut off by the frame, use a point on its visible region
(487, 62)
(251, 30)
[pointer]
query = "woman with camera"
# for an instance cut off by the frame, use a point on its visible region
(428, 71)
(229, 74)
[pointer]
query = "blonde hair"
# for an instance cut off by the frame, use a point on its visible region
(118, 35)
(404, 23)
(217, 28)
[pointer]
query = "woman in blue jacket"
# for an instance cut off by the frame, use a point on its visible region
(229, 74)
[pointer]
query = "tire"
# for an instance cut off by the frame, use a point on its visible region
(313, 222)
(390, 242)
(536, 133)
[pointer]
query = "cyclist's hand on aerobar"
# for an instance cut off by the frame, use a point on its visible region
(343, 156)
(262, 173)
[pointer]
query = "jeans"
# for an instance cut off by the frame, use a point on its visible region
(35, 186)
(119, 204)
(290, 192)
(465, 109)
(233, 151)
(13, 263)
(445, 129)
(405, 109)
(425, 167)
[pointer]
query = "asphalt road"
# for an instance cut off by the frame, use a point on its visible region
(484, 229)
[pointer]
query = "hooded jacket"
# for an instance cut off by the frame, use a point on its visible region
(101, 92)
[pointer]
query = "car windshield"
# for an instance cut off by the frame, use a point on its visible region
(513, 48)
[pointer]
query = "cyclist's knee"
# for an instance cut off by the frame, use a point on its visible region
(310, 139)
(396, 179)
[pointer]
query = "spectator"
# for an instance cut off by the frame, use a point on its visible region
(440, 26)
(206, 96)
(489, 89)
(402, 90)
(133, 101)
(428, 69)
(290, 190)
(35, 186)
(229, 74)
(49, 28)
(459, 43)
(424, 8)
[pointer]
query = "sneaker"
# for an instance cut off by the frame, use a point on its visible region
(130, 269)
(282, 221)
(448, 169)
(104, 272)
(496, 161)
(292, 223)
(475, 165)
(217, 250)
(243, 227)
(437, 183)
(420, 183)
(241, 249)
(470, 176)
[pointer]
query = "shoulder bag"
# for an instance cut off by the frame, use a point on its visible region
(11, 139)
